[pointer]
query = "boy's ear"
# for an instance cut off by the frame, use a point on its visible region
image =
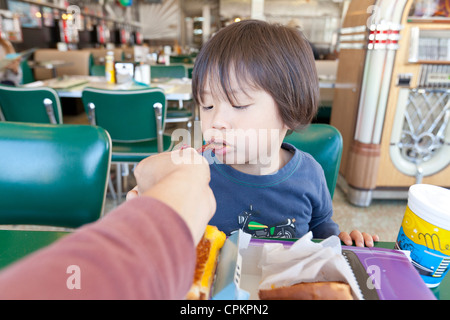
(288, 128)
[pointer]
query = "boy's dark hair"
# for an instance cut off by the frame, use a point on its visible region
(271, 57)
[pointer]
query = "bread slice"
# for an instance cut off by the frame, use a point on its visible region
(331, 290)
(207, 253)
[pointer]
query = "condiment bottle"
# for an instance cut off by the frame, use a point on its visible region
(109, 68)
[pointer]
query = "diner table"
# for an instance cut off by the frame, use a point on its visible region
(175, 89)
(72, 86)
(12, 249)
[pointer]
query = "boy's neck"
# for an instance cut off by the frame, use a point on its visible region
(277, 162)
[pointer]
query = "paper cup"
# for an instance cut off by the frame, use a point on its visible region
(425, 231)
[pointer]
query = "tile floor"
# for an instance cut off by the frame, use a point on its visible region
(382, 217)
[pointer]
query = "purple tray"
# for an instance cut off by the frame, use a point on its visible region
(382, 274)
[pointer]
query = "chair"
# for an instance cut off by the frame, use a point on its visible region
(170, 71)
(187, 59)
(180, 113)
(189, 72)
(324, 143)
(98, 70)
(133, 118)
(52, 176)
(39, 105)
(27, 73)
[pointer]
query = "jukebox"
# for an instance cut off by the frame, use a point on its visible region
(392, 97)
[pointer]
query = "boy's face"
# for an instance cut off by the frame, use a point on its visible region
(248, 133)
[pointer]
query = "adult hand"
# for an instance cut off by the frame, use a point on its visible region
(182, 185)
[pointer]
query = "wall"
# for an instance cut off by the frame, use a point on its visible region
(160, 21)
(46, 37)
(318, 19)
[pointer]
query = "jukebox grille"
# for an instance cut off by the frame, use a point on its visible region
(426, 115)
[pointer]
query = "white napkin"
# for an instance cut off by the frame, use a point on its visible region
(306, 261)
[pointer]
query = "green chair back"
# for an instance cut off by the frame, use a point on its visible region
(127, 115)
(91, 63)
(130, 117)
(98, 70)
(27, 73)
(133, 118)
(52, 175)
(189, 72)
(181, 59)
(324, 143)
(171, 71)
(38, 105)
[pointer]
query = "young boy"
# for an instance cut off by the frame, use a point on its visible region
(253, 82)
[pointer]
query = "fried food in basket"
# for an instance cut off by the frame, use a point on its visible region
(331, 290)
(207, 253)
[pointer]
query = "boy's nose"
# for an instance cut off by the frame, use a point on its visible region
(220, 120)
(220, 124)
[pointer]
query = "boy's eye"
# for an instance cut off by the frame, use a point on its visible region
(241, 107)
(207, 107)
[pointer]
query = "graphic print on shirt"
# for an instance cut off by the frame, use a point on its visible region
(248, 222)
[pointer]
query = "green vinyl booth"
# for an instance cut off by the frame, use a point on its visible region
(324, 143)
(53, 179)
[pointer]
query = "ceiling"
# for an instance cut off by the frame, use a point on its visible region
(194, 7)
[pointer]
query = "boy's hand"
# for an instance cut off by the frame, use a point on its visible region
(360, 239)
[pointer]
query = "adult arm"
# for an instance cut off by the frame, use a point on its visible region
(141, 250)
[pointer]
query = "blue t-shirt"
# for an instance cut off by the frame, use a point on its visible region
(288, 203)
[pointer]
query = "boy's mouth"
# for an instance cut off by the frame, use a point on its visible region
(218, 146)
